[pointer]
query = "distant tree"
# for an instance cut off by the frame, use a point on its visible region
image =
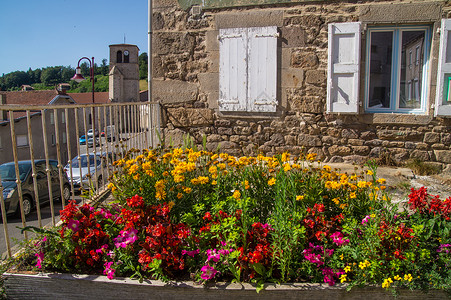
(104, 67)
(66, 74)
(51, 75)
(142, 61)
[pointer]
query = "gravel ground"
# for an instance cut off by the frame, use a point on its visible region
(400, 180)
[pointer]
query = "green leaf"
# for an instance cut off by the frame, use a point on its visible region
(259, 268)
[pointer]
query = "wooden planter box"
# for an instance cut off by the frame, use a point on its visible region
(69, 286)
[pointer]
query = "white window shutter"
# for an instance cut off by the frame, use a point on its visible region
(262, 69)
(232, 69)
(343, 68)
(443, 105)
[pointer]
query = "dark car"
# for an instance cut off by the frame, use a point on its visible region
(10, 190)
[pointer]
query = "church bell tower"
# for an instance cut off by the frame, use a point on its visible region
(124, 73)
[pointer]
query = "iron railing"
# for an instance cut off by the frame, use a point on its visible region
(55, 133)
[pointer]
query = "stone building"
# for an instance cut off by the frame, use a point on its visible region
(124, 73)
(330, 77)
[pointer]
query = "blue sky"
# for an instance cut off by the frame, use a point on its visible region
(41, 33)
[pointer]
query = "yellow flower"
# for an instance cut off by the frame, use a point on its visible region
(214, 182)
(311, 156)
(300, 197)
(408, 277)
(347, 269)
(246, 184)
(171, 204)
(136, 177)
(364, 264)
(369, 172)
(133, 169)
(343, 278)
(179, 195)
(336, 201)
(286, 167)
(272, 181)
(342, 256)
(352, 195)
(381, 180)
(236, 194)
(397, 277)
(387, 282)
(187, 190)
(327, 168)
(285, 156)
(361, 184)
(111, 187)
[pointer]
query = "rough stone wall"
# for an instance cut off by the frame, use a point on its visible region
(186, 82)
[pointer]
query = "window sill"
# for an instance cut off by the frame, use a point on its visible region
(392, 118)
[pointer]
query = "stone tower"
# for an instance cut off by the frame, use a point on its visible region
(124, 73)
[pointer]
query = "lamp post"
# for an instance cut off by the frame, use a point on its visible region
(79, 78)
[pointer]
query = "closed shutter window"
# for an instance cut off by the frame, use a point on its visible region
(343, 68)
(248, 69)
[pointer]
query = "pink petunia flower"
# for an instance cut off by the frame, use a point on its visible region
(208, 272)
(40, 258)
(73, 224)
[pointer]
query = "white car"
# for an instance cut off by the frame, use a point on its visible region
(83, 173)
(90, 133)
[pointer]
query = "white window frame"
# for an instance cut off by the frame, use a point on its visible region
(396, 63)
(443, 106)
(21, 140)
(248, 69)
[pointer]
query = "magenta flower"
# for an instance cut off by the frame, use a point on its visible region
(208, 272)
(213, 255)
(73, 224)
(190, 253)
(109, 272)
(365, 220)
(126, 238)
(40, 258)
(338, 239)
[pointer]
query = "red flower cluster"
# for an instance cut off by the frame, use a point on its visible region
(164, 240)
(424, 203)
(395, 240)
(318, 226)
(258, 250)
(91, 242)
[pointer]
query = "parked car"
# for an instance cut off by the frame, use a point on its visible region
(91, 142)
(82, 140)
(82, 169)
(10, 191)
(90, 133)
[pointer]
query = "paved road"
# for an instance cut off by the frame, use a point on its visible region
(13, 222)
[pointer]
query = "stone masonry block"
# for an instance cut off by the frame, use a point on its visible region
(292, 78)
(292, 37)
(174, 91)
(209, 82)
(212, 40)
(443, 156)
(402, 12)
(186, 117)
(249, 19)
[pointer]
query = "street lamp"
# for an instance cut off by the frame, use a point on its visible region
(79, 78)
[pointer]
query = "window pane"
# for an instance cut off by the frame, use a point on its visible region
(411, 71)
(380, 69)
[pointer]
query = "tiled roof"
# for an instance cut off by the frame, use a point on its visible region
(86, 98)
(30, 97)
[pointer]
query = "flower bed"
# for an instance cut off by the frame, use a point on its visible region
(192, 215)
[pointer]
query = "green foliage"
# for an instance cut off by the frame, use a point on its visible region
(143, 65)
(422, 168)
